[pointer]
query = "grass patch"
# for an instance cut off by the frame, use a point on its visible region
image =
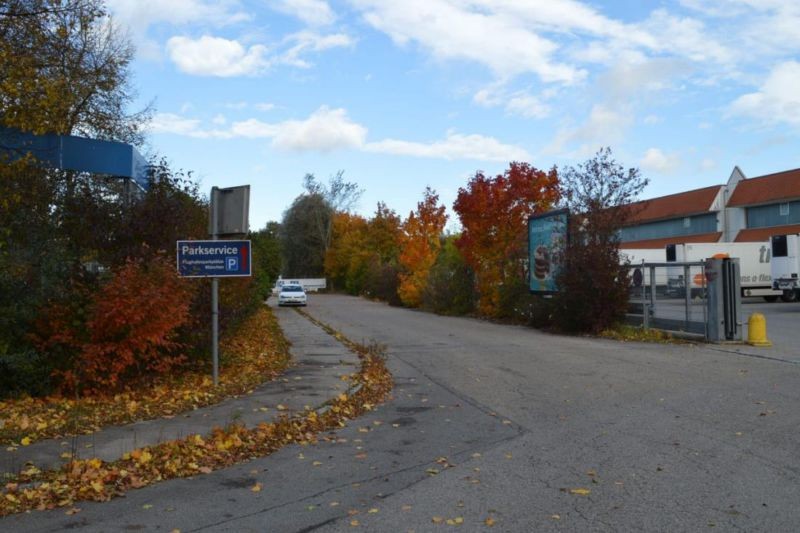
(626, 333)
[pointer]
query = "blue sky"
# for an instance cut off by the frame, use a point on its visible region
(405, 94)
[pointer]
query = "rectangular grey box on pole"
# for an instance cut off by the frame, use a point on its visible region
(232, 211)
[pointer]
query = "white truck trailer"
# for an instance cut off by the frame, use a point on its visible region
(786, 266)
(754, 264)
(309, 284)
(637, 256)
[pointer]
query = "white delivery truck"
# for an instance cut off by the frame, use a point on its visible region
(754, 265)
(637, 256)
(309, 284)
(786, 266)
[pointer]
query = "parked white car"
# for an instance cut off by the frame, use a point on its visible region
(292, 294)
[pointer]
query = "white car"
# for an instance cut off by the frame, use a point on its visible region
(292, 294)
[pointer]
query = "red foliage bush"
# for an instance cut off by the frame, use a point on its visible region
(129, 330)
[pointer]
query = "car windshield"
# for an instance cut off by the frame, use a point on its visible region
(292, 288)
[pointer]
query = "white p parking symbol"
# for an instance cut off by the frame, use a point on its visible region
(232, 264)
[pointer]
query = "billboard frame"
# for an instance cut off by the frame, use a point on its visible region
(564, 233)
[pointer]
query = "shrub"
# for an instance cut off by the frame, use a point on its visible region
(450, 289)
(127, 329)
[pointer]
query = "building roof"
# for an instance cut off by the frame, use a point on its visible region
(771, 188)
(680, 239)
(681, 204)
(763, 234)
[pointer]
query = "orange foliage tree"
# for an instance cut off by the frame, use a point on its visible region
(419, 246)
(130, 329)
(361, 250)
(493, 214)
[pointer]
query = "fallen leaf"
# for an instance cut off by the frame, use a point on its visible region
(316, 463)
(373, 510)
(555, 516)
(147, 506)
(489, 521)
(406, 508)
(354, 522)
(437, 519)
(25, 441)
(256, 487)
(72, 511)
(580, 491)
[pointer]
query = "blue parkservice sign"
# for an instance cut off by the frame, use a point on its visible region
(204, 259)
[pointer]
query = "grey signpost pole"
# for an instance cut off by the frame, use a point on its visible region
(214, 294)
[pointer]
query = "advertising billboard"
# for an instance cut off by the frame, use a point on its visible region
(547, 239)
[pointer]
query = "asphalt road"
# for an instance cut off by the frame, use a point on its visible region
(666, 438)
(525, 430)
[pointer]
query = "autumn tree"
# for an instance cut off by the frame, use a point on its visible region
(493, 212)
(593, 284)
(419, 246)
(348, 255)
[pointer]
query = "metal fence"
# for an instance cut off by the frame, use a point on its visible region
(669, 296)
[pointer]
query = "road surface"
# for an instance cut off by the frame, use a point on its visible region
(501, 428)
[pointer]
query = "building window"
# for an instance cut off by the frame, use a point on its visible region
(687, 222)
(784, 210)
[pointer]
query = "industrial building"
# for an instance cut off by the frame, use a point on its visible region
(742, 210)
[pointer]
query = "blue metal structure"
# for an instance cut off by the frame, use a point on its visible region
(763, 216)
(677, 227)
(69, 152)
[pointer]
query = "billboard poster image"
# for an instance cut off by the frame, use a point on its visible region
(547, 237)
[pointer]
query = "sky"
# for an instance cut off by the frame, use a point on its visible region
(406, 94)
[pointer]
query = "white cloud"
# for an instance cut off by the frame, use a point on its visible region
(219, 119)
(528, 106)
(178, 125)
(454, 146)
(325, 130)
(478, 31)
(655, 160)
(652, 119)
(307, 41)
(215, 56)
(605, 126)
(520, 103)
(329, 129)
(139, 14)
(265, 106)
(777, 100)
(312, 12)
(172, 123)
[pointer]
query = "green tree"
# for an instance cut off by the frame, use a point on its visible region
(266, 246)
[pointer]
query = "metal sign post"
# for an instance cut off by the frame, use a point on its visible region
(228, 216)
(214, 295)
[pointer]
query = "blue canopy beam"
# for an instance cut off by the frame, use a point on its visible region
(68, 152)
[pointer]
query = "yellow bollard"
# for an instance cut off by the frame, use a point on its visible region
(757, 330)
